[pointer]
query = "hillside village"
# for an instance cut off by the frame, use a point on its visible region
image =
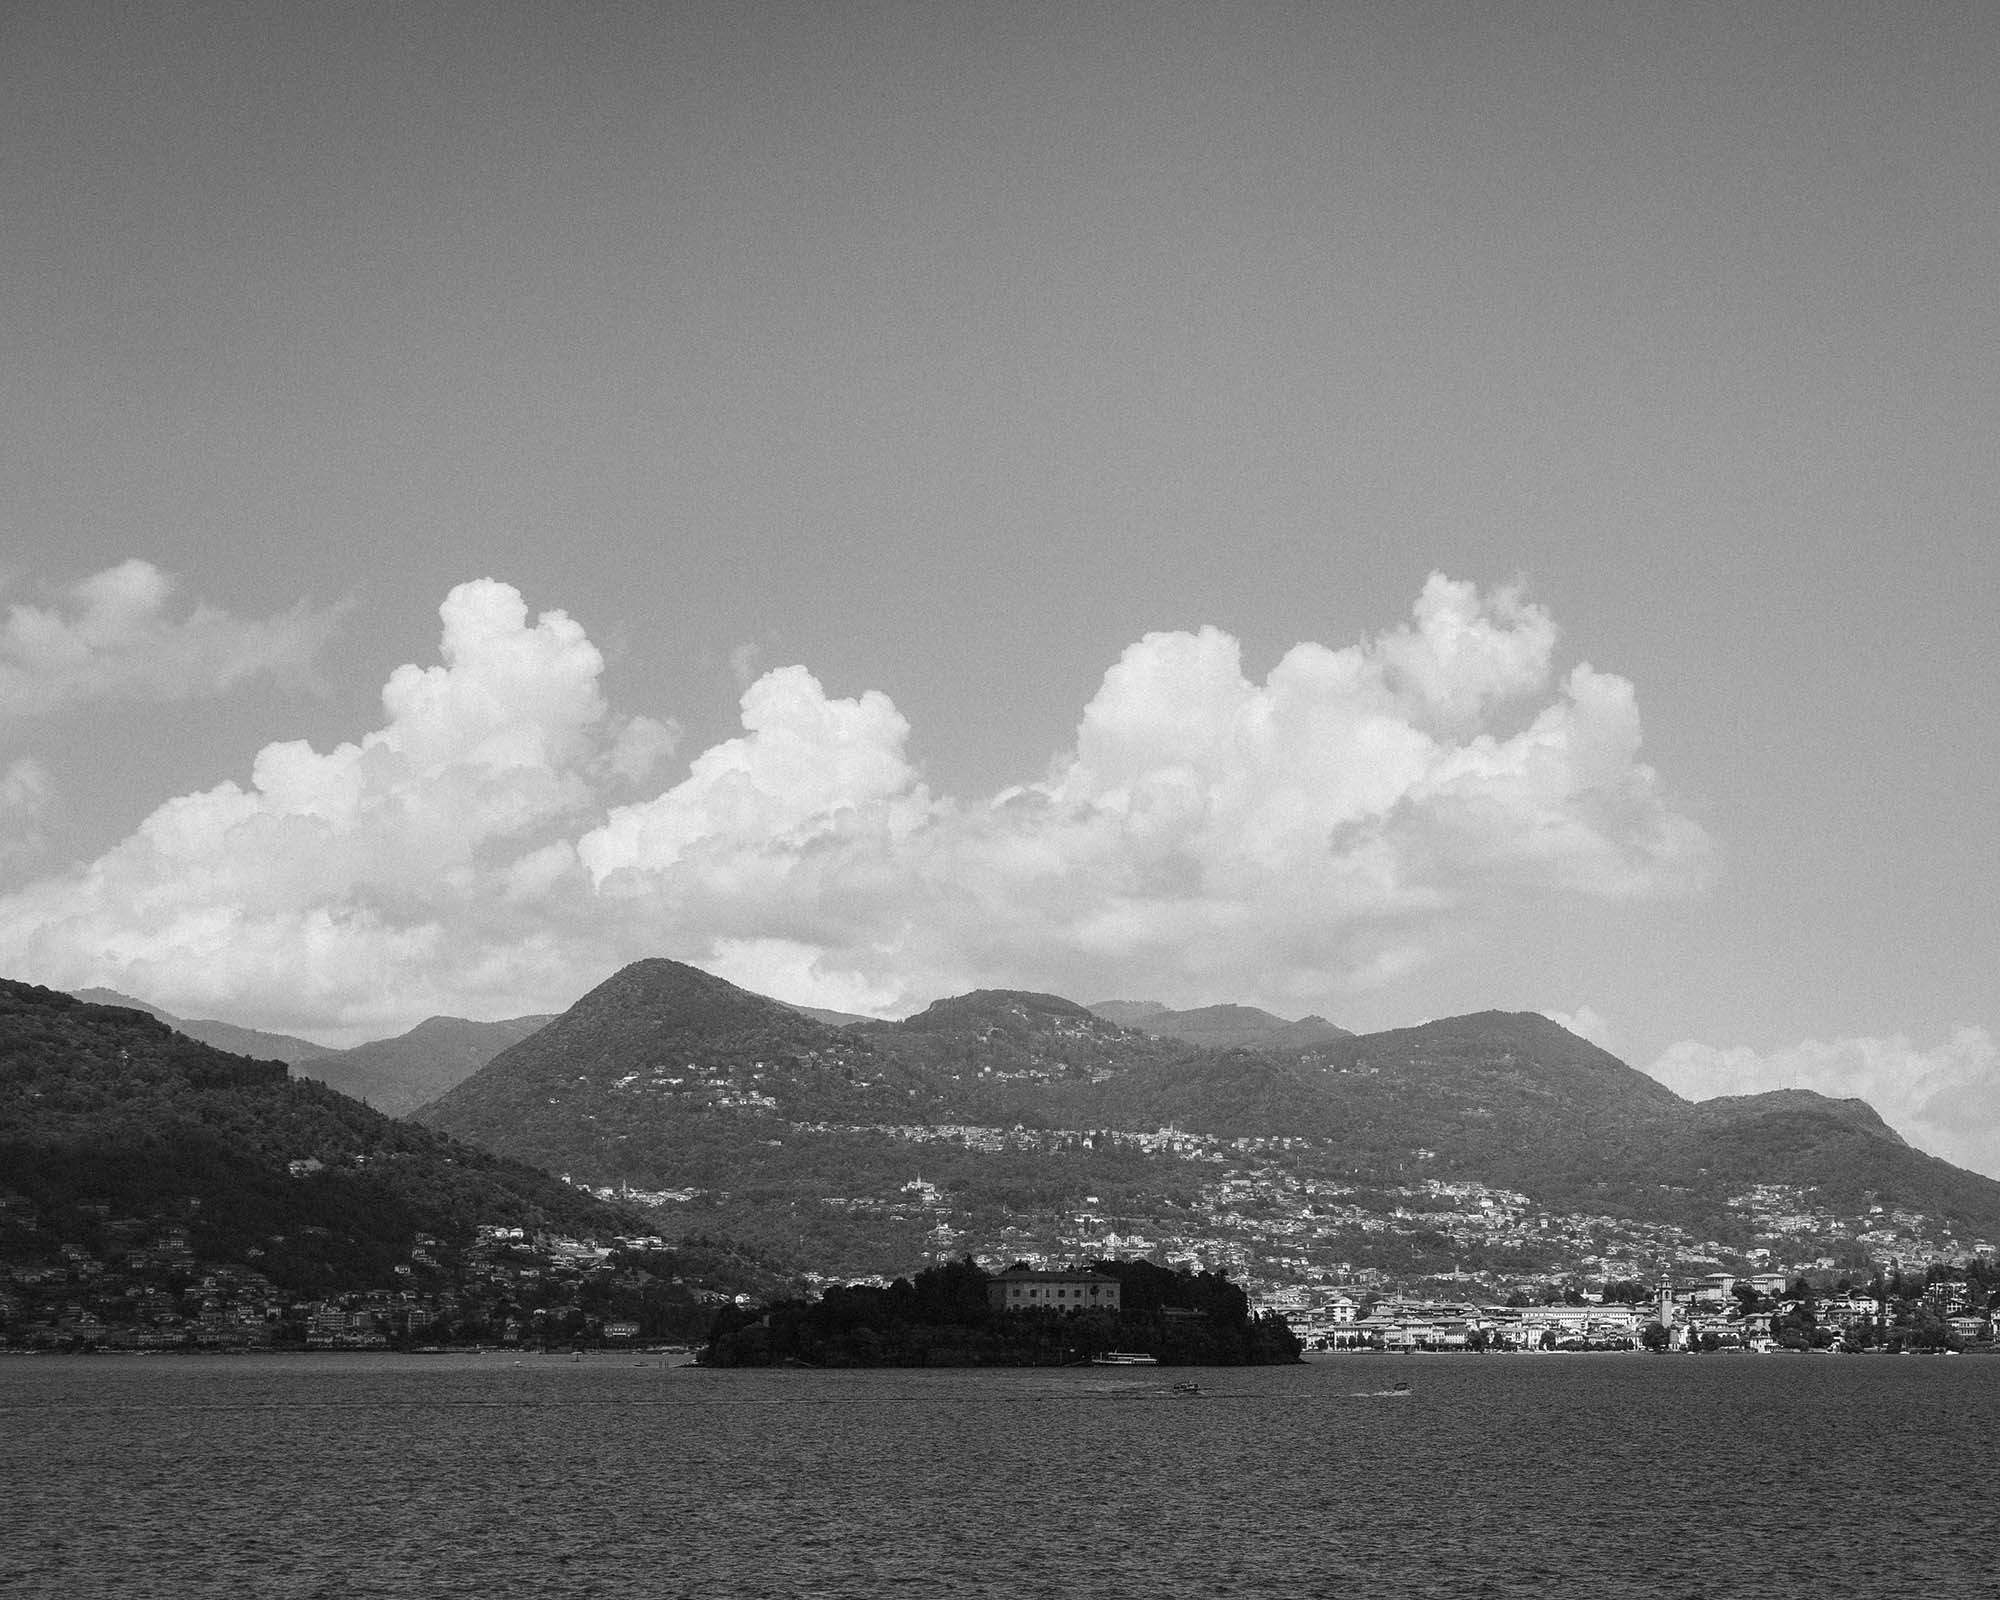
(716, 1148)
(1812, 1281)
(1948, 1308)
(1283, 1234)
(517, 1287)
(511, 1287)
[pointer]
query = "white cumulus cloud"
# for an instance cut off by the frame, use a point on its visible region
(26, 792)
(401, 873)
(119, 635)
(1205, 835)
(1944, 1099)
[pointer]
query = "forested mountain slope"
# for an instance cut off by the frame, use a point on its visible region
(252, 1042)
(1027, 1116)
(106, 1113)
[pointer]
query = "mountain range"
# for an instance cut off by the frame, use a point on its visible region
(251, 1042)
(115, 1127)
(1015, 1124)
(398, 1075)
(1005, 1121)
(1221, 1027)
(393, 1075)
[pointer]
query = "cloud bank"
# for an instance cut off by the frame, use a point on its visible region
(488, 848)
(1944, 1099)
(26, 792)
(115, 636)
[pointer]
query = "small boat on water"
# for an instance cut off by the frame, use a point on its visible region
(1185, 1388)
(1124, 1358)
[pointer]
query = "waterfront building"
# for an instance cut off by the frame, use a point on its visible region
(1024, 1289)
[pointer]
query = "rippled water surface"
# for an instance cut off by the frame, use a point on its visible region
(350, 1476)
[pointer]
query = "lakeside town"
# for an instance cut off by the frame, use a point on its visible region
(148, 1291)
(508, 1288)
(1945, 1308)
(1352, 1266)
(339, 1228)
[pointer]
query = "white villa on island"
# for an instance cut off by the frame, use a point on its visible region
(1024, 1289)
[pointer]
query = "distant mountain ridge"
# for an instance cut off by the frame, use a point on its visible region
(394, 1075)
(1127, 1013)
(1015, 1011)
(252, 1042)
(106, 1112)
(1019, 1109)
(1222, 1027)
(398, 1075)
(836, 1019)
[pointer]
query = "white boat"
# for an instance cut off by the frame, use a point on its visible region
(1124, 1358)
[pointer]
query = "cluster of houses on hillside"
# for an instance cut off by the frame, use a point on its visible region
(509, 1286)
(1716, 1312)
(1286, 1211)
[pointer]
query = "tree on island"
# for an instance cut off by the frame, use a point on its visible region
(944, 1317)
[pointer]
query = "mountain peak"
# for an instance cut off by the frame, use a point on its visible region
(398, 1075)
(1127, 1013)
(447, 1031)
(438, 1023)
(1013, 1010)
(659, 973)
(1523, 1047)
(1858, 1113)
(1222, 1027)
(649, 1013)
(1491, 1027)
(672, 992)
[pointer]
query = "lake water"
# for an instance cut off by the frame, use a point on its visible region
(1599, 1476)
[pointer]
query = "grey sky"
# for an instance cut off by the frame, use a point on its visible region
(948, 351)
